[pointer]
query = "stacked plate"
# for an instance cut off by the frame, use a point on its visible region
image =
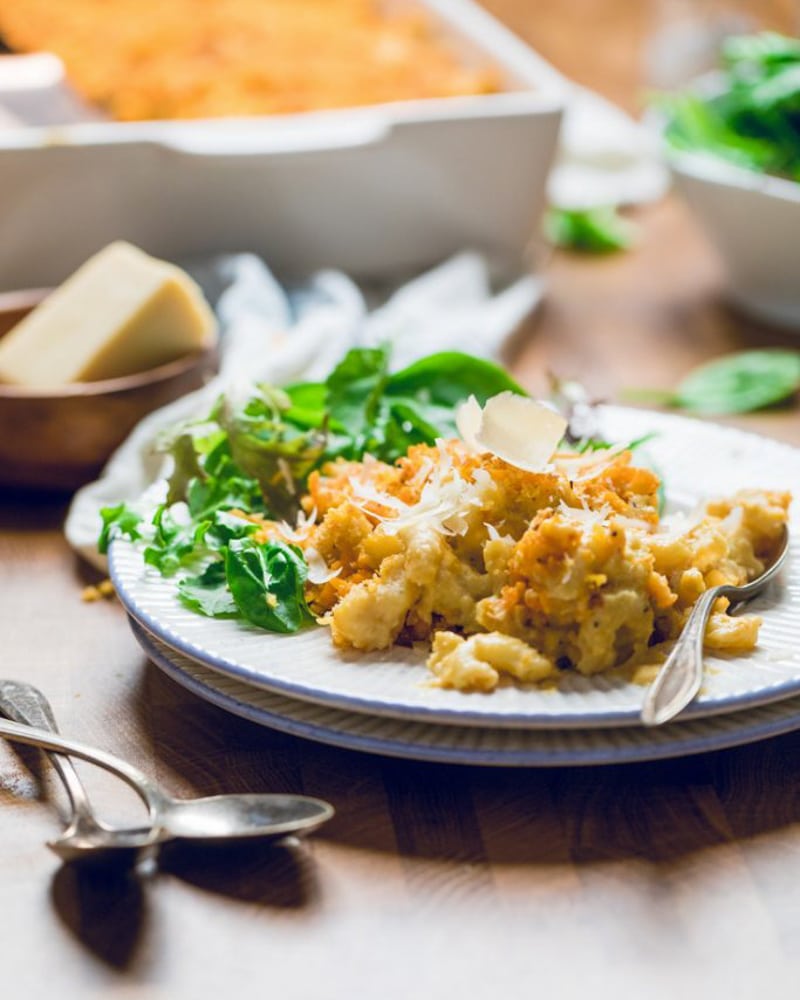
(383, 703)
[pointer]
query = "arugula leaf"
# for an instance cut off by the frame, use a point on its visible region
(587, 445)
(306, 404)
(119, 520)
(266, 582)
(175, 540)
(592, 230)
(271, 452)
(224, 527)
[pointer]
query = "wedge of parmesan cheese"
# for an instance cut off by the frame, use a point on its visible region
(121, 312)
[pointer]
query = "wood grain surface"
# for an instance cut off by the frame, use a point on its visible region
(672, 879)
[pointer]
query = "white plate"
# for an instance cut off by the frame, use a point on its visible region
(466, 744)
(697, 460)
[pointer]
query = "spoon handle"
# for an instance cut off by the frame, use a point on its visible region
(140, 783)
(680, 678)
(26, 704)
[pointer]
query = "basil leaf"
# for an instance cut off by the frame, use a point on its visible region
(208, 593)
(266, 582)
(741, 382)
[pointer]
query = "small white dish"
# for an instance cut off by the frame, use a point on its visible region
(753, 220)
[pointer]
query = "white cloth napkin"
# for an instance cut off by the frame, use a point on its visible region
(277, 335)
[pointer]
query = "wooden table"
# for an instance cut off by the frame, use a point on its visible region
(671, 879)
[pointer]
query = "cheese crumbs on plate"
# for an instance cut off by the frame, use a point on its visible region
(519, 574)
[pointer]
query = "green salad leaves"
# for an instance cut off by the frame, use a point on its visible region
(255, 456)
(753, 120)
(589, 230)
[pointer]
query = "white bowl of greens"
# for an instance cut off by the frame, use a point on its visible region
(733, 142)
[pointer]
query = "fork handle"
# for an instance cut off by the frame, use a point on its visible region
(148, 791)
(26, 704)
(679, 680)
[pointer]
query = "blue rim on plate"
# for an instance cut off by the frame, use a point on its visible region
(467, 745)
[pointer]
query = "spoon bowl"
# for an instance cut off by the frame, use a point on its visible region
(225, 817)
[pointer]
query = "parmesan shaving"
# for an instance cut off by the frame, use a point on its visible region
(468, 421)
(318, 570)
(519, 430)
(494, 535)
(679, 523)
(301, 530)
(368, 494)
(733, 522)
(584, 515)
(587, 465)
(444, 501)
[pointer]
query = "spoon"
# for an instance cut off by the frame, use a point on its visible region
(679, 680)
(216, 819)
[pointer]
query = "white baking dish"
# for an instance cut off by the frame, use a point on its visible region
(375, 191)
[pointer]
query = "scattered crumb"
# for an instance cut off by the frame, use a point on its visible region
(101, 591)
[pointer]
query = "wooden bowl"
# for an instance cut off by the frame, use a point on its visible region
(58, 439)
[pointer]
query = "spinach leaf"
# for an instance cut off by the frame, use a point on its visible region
(591, 230)
(738, 383)
(266, 582)
(354, 389)
(754, 119)
(446, 379)
(735, 383)
(306, 404)
(208, 592)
